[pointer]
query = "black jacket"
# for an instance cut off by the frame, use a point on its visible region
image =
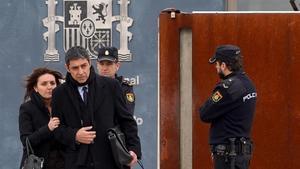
(128, 93)
(230, 109)
(33, 123)
(106, 105)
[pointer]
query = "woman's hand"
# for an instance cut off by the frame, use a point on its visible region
(53, 123)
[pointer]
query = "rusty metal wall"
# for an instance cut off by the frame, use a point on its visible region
(270, 45)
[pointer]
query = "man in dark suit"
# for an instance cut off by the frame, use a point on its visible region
(88, 105)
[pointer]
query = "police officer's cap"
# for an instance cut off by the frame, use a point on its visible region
(108, 53)
(225, 52)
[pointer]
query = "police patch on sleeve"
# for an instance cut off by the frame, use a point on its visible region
(217, 96)
(130, 97)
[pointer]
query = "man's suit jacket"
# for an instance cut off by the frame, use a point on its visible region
(108, 107)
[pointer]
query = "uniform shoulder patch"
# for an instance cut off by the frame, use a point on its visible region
(216, 96)
(130, 97)
(227, 83)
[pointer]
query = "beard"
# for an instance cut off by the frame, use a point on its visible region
(221, 75)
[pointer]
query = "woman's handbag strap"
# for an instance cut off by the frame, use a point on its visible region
(28, 147)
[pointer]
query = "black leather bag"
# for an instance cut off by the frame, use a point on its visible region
(32, 161)
(117, 142)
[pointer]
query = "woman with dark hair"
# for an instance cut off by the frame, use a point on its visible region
(35, 121)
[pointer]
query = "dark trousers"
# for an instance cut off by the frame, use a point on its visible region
(225, 162)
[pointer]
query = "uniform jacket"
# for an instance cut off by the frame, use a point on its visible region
(128, 93)
(106, 106)
(33, 123)
(230, 109)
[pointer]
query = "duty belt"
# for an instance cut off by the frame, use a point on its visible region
(236, 146)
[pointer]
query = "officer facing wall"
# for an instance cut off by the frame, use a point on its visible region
(230, 111)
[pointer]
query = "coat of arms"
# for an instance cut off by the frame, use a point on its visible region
(87, 23)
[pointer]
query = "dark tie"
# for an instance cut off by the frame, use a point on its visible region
(85, 94)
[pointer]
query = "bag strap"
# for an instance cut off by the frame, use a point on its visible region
(140, 163)
(28, 147)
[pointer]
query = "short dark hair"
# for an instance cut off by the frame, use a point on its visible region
(234, 65)
(32, 79)
(76, 52)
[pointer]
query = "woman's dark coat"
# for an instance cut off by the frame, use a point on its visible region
(33, 123)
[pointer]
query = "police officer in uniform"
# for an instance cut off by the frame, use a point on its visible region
(108, 65)
(230, 111)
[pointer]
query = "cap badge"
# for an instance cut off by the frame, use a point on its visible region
(106, 52)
